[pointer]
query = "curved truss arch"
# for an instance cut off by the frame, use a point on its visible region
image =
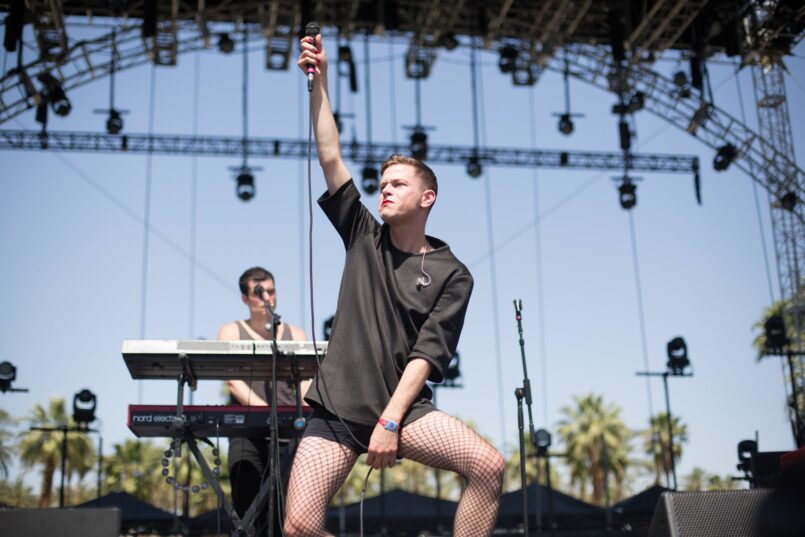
(89, 60)
(713, 126)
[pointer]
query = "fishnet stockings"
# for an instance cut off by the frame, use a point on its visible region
(436, 440)
(319, 469)
(442, 441)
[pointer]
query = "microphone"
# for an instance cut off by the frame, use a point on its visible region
(258, 291)
(311, 30)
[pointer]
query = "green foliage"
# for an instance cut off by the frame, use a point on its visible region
(534, 469)
(17, 493)
(695, 481)
(786, 309)
(7, 449)
(590, 431)
(43, 448)
(135, 466)
(656, 442)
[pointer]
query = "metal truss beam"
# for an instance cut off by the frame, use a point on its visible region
(713, 126)
(220, 146)
(789, 233)
(662, 26)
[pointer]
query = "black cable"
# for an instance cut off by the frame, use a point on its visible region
(363, 492)
(310, 273)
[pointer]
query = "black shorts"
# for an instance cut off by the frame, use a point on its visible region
(324, 424)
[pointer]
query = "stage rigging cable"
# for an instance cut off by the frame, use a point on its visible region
(146, 222)
(479, 124)
(532, 116)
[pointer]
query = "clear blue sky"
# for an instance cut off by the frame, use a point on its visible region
(72, 248)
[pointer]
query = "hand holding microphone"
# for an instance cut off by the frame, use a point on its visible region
(313, 59)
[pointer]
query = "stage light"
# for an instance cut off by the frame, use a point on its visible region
(84, 404)
(453, 372)
(542, 441)
(789, 201)
(8, 374)
(474, 168)
(565, 124)
(61, 104)
(328, 327)
(369, 179)
(54, 94)
(525, 74)
(449, 41)
(746, 450)
(346, 67)
(776, 336)
(724, 157)
(344, 53)
(636, 102)
(508, 59)
(114, 124)
(419, 144)
(677, 356)
(245, 185)
(627, 194)
(225, 43)
(419, 60)
(680, 79)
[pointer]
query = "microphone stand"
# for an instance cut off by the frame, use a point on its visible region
(273, 324)
(520, 393)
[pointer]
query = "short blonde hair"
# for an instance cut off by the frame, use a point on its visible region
(422, 170)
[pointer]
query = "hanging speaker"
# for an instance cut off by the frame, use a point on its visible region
(722, 513)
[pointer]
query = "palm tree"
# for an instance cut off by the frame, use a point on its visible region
(135, 467)
(656, 442)
(716, 482)
(532, 475)
(6, 447)
(785, 308)
(44, 447)
(696, 480)
(17, 493)
(592, 431)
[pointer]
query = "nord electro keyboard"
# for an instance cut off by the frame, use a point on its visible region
(219, 360)
(206, 421)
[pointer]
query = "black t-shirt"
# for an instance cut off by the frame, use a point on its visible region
(384, 317)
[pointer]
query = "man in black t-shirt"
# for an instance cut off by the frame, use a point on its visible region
(400, 311)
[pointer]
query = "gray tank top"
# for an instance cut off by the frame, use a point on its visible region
(286, 391)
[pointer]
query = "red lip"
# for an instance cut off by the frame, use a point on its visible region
(385, 202)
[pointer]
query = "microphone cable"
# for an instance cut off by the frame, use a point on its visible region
(319, 376)
(310, 273)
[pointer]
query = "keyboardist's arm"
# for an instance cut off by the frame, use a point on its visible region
(298, 334)
(237, 388)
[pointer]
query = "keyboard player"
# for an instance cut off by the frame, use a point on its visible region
(248, 457)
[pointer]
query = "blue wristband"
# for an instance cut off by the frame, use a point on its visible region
(389, 425)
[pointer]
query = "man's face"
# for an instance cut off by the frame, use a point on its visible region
(257, 303)
(402, 193)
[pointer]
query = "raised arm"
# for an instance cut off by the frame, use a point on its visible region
(324, 127)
